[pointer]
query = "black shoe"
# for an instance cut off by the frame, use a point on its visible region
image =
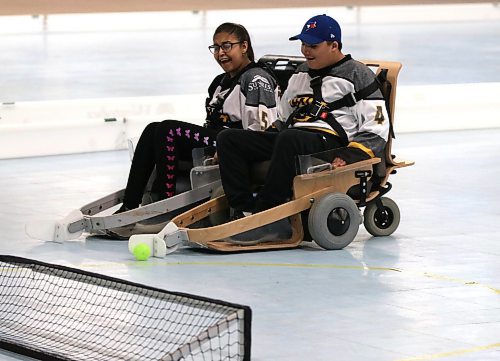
(276, 231)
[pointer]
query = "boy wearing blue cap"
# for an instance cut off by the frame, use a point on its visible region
(332, 101)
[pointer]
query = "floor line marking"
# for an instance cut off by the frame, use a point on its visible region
(452, 353)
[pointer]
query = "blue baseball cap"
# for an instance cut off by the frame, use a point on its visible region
(319, 28)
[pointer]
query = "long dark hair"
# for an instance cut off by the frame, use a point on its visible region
(240, 32)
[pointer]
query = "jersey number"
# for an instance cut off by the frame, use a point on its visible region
(263, 120)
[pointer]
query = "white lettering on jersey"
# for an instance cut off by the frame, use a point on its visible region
(259, 81)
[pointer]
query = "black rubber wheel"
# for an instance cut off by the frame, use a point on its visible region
(382, 222)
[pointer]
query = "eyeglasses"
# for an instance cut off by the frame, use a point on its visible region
(226, 46)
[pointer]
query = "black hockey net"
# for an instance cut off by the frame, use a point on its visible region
(54, 312)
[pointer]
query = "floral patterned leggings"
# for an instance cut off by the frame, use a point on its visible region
(163, 144)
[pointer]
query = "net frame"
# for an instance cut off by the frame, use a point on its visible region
(198, 328)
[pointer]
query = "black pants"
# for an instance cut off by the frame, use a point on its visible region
(163, 144)
(238, 149)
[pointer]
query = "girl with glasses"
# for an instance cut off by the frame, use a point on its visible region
(243, 97)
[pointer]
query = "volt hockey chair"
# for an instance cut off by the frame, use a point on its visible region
(195, 184)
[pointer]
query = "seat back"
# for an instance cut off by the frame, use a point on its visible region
(283, 67)
(393, 69)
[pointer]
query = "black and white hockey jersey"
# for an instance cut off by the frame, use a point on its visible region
(366, 123)
(248, 101)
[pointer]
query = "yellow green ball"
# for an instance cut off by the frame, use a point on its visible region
(142, 252)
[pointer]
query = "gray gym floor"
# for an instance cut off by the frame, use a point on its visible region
(431, 291)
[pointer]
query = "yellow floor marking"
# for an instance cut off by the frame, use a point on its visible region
(452, 353)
